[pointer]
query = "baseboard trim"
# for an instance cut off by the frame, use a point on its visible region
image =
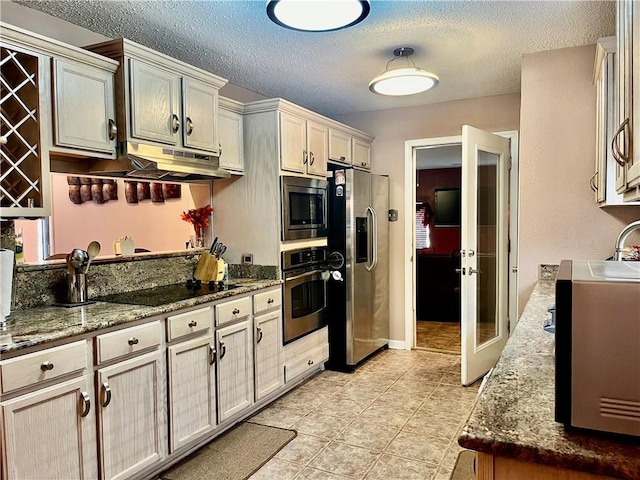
(398, 345)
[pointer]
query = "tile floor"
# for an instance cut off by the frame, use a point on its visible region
(397, 417)
(442, 336)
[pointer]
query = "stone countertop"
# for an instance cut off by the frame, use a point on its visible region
(514, 413)
(36, 326)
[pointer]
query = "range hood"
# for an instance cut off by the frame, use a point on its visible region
(142, 161)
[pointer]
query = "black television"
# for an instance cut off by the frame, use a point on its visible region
(447, 207)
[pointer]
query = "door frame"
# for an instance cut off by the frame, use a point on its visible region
(410, 228)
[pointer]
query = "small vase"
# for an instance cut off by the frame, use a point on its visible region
(199, 240)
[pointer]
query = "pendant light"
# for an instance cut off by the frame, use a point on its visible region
(405, 80)
(317, 15)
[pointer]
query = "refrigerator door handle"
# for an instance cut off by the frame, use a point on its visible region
(373, 231)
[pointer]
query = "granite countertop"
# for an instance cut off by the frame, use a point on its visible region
(514, 413)
(36, 326)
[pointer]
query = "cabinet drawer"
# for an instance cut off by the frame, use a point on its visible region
(304, 363)
(234, 310)
(302, 346)
(40, 366)
(263, 302)
(188, 322)
(126, 341)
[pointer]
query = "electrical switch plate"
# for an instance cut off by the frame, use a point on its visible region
(393, 215)
(247, 258)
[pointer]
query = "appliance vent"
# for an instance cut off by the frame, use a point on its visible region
(622, 409)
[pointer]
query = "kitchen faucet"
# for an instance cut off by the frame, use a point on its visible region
(623, 236)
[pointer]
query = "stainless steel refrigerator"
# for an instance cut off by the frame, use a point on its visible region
(358, 290)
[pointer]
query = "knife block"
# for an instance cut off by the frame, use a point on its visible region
(207, 268)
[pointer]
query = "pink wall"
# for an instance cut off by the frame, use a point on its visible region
(559, 218)
(154, 226)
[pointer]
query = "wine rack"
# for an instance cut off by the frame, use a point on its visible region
(24, 171)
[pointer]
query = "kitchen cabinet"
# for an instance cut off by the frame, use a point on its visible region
(304, 145)
(306, 354)
(268, 350)
(24, 184)
(626, 139)
(361, 154)
(339, 146)
(192, 390)
(163, 100)
(84, 107)
(50, 433)
(230, 129)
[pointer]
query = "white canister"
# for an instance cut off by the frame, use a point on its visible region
(6, 281)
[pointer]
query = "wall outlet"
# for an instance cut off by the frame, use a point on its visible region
(247, 258)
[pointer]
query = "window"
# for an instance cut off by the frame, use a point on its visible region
(423, 239)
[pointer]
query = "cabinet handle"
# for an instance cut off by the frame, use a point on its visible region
(86, 403)
(46, 366)
(223, 347)
(193, 323)
(592, 183)
(618, 155)
(219, 150)
(311, 156)
(236, 311)
(305, 159)
(342, 159)
(363, 164)
(310, 362)
(106, 394)
(259, 335)
(212, 355)
(270, 301)
(133, 341)
(189, 126)
(175, 123)
(112, 130)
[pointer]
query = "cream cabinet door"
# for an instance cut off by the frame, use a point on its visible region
(361, 153)
(155, 103)
(269, 360)
(200, 128)
(293, 143)
(84, 107)
(235, 369)
(50, 433)
(231, 141)
(192, 390)
(339, 146)
(318, 147)
(633, 167)
(132, 424)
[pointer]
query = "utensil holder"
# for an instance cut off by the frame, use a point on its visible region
(77, 288)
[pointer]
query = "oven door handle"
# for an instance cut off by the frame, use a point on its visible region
(303, 275)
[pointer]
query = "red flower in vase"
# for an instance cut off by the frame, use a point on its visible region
(199, 218)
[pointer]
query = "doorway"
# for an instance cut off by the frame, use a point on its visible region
(474, 153)
(437, 242)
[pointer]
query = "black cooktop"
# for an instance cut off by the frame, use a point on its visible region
(156, 296)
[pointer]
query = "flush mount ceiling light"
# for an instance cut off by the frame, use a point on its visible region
(405, 80)
(317, 15)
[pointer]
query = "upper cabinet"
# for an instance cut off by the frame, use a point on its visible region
(59, 101)
(230, 129)
(339, 146)
(303, 145)
(625, 144)
(163, 100)
(361, 153)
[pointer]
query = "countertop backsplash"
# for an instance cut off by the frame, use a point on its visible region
(548, 272)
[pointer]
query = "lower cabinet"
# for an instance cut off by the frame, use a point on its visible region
(306, 354)
(192, 390)
(235, 368)
(131, 415)
(50, 433)
(269, 374)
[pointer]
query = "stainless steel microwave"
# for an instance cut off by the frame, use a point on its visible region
(304, 208)
(598, 346)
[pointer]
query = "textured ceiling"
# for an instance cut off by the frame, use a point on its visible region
(474, 47)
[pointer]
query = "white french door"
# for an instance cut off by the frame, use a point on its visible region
(484, 250)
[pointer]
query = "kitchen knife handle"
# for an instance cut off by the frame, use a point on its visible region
(112, 130)
(223, 349)
(106, 394)
(259, 330)
(86, 403)
(175, 123)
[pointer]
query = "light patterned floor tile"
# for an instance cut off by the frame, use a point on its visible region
(340, 405)
(419, 447)
(276, 468)
(397, 468)
(275, 416)
(367, 435)
(385, 415)
(324, 426)
(315, 474)
(346, 460)
(302, 449)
